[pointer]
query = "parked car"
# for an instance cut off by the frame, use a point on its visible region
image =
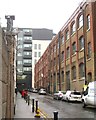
(42, 92)
(72, 96)
(35, 90)
(58, 95)
(89, 97)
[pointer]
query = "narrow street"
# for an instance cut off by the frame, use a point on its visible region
(65, 110)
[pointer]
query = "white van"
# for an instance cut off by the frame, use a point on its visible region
(89, 97)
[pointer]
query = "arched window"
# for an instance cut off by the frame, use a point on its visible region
(73, 72)
(68, 52)
(62, 56)
(73, 47)
(81, 70)
(80, 21)
(88, 22)
(89, 50)
(73, 28)
(67, 34)
(81, 42)
(62, 39)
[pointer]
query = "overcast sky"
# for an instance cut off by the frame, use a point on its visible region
(51, 14)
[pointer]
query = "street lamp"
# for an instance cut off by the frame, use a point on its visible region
(59, 62)
(42, 79)
(84, 32)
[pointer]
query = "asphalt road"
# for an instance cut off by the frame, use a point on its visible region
(65, 110)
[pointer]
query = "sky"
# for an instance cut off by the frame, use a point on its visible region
(51, 14)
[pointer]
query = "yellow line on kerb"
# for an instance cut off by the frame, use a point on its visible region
(45, 115)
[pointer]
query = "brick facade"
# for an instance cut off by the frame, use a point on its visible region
(59, 73)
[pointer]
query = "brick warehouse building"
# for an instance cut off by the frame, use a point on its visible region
(71, 56)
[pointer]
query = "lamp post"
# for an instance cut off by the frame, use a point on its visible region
(42, 80)
(84, 32)
(59, 63)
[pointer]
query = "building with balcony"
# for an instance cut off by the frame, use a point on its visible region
(31, 44)
(70, 58)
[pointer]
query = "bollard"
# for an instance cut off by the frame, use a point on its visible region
(37, 110)
(28, 99)
(32, 105)
(36, 106)
(55, 115)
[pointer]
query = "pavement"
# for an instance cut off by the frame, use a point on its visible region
(23, 110)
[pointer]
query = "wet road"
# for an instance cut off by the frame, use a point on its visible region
(65, 110)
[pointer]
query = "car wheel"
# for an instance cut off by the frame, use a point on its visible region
(57, 98)
(84, 105)
(67, 99)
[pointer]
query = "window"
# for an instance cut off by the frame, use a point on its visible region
(19, 54)
(39, 54)
(67, 34)
(19, 69)
(81, 70)
(27, 53)
(27, 61)
(62, 56)
(73, 72)
(62, 39)
(58, 45)
(73, 47)
(27, 68)
(39, 46)
(88, 22)
(35, 61)
(19, 46)
(27, 38)
(80, 24)
(89, 50)
(19, 62)
(27, 45)
(54, 48)
(35, 54)
(27, 30)
(68, 52)
(54, 61)
(73, 28)
(35, 46)
(20, 39)
(81, 43)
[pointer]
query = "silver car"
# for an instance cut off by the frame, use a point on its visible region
(58, 95)
(42, 92)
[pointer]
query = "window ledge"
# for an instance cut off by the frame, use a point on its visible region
(82, 78)
(67, 58)
(88, 59)
(80, 28)
(74, 54)
(81, 49)
(74, 80)
(88, 30)
(73, 34)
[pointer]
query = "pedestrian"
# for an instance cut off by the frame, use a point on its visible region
(22, 93)
(16, 91)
